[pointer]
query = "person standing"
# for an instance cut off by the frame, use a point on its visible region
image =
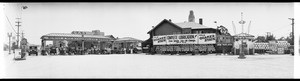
(57, 51)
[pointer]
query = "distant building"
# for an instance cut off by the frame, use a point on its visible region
(93, 38)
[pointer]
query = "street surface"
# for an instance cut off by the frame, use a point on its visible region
(150, 66)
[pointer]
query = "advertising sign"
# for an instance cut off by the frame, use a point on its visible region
(185, 39)
(207, 38)
(182, 39)
(159, 40)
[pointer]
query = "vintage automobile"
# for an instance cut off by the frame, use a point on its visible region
(33, 49)
(137, 50)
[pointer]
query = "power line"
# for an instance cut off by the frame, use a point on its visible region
(10, 24)
(279, 28)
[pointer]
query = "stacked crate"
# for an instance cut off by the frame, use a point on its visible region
(273, 46)
(282, 46)
(263, 46)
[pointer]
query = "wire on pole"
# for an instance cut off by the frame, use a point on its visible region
(10, 24)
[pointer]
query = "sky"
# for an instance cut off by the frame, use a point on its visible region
(136, 19)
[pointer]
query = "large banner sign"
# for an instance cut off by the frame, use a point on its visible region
(184, 39)
(207, 38)
(159, 40)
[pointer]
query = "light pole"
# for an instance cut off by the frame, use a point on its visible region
(242, 22)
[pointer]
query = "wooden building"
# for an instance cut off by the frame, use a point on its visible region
(185, 37)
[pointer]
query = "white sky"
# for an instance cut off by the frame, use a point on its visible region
(136, 19)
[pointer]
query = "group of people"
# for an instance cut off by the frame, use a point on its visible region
(72, 51)
(79, 51)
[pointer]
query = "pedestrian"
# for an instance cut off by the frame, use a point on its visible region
(57, 50)
(61, 51)
(52, 51)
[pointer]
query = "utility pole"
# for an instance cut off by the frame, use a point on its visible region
(292, 28)
(292, 32)
(18, 32)
(9, 37)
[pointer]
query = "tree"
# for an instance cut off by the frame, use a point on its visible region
(223, 30)
(282, 39)
(261, 39)
(270, 37)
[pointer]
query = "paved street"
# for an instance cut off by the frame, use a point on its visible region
(150, 66)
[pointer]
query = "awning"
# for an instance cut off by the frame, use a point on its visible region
(68, 36)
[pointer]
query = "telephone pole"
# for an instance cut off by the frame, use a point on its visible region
(292, 28)
(292, 33)
(18, 32)
(9, 37)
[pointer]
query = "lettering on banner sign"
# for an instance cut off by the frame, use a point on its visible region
(185, 39)
(159, 40)
(182, 39)
(207, 38)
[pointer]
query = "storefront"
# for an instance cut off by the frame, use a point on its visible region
(77, 40)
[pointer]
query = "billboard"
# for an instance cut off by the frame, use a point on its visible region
(209, 38)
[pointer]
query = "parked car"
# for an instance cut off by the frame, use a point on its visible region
(33, 50)
(137, 50)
